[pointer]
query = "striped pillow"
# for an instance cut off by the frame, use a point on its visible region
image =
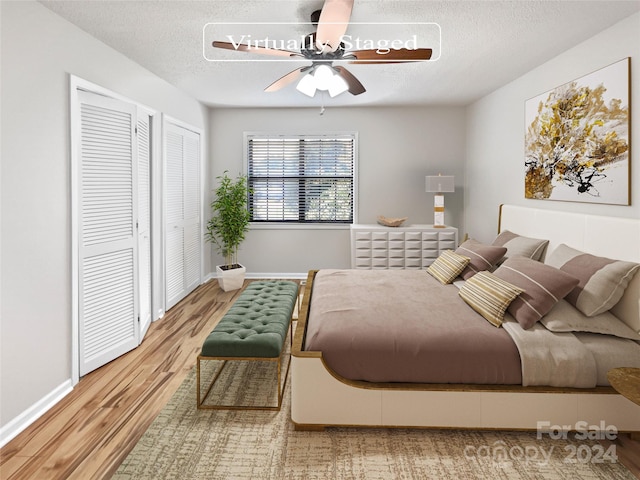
(489, 296)
(543, 287)
(447, 266)
(483, 257)
(602, 281)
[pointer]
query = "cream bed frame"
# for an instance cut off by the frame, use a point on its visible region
(320, 397)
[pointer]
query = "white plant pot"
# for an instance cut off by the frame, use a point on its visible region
(230, 279)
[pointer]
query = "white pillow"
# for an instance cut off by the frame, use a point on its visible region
(564, 317)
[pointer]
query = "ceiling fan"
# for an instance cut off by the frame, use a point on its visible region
(325, 46)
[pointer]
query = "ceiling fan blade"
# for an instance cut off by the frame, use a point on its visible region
(394, 56)
(241, 47)
(333, 24)
(355, 87)
(286, 79)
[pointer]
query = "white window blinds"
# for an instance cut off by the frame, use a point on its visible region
(301, 178)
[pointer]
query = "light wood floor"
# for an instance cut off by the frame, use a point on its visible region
(88, 433)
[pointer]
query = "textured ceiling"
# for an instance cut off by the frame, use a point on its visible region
(484, 44)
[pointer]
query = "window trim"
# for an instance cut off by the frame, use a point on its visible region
(292, 225)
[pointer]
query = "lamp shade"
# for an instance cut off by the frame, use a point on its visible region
(439, 183)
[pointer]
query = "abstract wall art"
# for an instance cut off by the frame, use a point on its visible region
(577, 139)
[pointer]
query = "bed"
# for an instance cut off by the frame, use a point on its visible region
(321, 397)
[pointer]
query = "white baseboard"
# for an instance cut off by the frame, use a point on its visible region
(265, 275)
(9, 431)
(277, 276)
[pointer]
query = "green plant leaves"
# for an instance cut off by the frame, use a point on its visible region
(229, 222)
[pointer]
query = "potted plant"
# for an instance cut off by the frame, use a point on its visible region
(227, 228)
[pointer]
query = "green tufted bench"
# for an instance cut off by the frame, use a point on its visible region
(255, 328)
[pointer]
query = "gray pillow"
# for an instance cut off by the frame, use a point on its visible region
(602, 280)
(532, 248)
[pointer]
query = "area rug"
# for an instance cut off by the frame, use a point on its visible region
(186, 443)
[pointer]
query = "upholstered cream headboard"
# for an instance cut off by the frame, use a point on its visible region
(612, 237)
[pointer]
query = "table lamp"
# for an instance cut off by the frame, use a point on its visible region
(439, 184)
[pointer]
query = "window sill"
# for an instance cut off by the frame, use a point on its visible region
(298, 226)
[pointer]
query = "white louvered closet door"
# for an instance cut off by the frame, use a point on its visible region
(192, 234)
(107, 246)
(182, 212)
(144, 220)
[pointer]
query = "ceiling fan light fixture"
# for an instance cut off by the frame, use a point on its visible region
(322, 78)
(338, 86)
(307, 85)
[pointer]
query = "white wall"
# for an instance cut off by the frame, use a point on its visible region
(397, 147)
(495, 126)
(39, 52)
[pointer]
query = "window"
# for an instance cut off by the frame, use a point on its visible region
(301, 178)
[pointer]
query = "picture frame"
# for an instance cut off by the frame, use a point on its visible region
(577, 139)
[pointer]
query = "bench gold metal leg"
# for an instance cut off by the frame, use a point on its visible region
(224, 363)
(281, 384)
